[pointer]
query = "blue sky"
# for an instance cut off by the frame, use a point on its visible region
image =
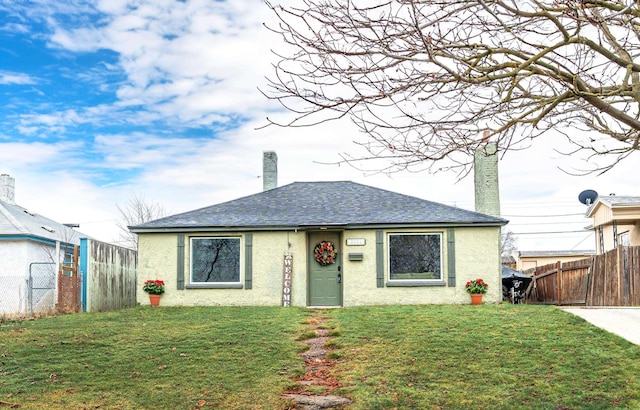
(101, 100)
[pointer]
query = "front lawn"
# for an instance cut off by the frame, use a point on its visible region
(152, 358)
(405, 357)
(490, 357)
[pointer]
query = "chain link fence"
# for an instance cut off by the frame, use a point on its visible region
(13, 296)
(42, 288)
(22, 296)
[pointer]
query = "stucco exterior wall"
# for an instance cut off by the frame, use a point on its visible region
(157, 259)
(476, 256)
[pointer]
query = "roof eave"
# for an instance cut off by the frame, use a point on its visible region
(34, 238)
(306, 227)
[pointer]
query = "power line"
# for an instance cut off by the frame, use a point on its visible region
(548, 223)
(545, 233)
(540, 216)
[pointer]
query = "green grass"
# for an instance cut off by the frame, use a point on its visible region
(482, 357)
(404, 357)
(164, 358)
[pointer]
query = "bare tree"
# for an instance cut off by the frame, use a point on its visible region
(423, 78)
(136, 211)
(508, 243)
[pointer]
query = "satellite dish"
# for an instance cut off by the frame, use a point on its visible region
(588, 197)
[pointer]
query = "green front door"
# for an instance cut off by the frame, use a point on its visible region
(325, 282)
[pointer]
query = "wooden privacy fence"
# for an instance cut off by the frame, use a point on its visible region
(610, 279)
(69, 283)
(110, 275)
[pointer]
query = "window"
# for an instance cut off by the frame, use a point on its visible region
(625, 239)
(215, 260)
(67, 262)
(415, 257)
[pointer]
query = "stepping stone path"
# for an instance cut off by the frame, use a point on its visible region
(317, 373)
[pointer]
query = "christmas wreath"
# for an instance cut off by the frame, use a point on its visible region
(325, 253)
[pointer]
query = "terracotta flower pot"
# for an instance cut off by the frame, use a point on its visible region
(154, 299)
(476, 298)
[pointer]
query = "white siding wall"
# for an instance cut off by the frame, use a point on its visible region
(15, 258)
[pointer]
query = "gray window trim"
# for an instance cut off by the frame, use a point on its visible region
(215, 286)
(415, 283)
(451, 257)
(420, 282)
(248, 261)
(211, 285)
(180, 267)
(379, 259)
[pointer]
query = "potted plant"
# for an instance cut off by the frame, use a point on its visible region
(155, 288)
(476, 288)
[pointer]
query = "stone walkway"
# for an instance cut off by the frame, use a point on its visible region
(317, 372)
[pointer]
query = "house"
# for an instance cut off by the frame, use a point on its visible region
(531, 259)
(616, 221)
(321, 244)
(31, 249)
(509, 261)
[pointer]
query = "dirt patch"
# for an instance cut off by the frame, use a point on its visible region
(317, 383)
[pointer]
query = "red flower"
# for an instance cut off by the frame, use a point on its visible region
(476, 286)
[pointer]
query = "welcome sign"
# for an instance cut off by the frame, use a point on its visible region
(287, 275)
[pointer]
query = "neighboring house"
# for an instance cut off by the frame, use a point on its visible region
(509, 262)
(531, 259)
(321, 244)
(31, 249)
(616, 221)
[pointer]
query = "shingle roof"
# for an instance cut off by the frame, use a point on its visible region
(317, 204)
(614, 201)
(16, 221)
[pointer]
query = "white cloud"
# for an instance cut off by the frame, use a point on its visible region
(7, 78)
(23, 155)
(183, 59)
(15, 28)
(139, 150)
(200, 62)
(53, 122)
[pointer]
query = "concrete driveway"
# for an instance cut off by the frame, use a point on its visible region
(624, 322)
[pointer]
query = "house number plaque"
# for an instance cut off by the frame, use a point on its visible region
(287, 276)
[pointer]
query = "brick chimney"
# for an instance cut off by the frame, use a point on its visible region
(485, 177)
(269, 170)
(7, 188)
